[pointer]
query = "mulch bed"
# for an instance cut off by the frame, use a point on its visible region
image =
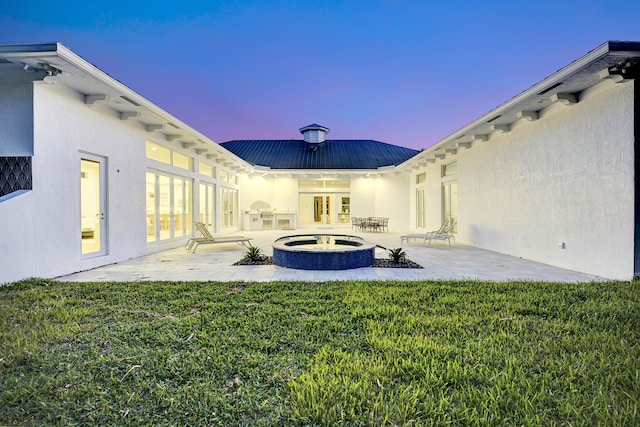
(379, 263)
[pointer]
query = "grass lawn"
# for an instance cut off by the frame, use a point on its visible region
(336, 353)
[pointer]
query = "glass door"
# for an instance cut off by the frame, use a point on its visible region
(318, 209)
(421, 211)
(450, 201)
(169, 207)
(93, 205)
(207, 205)
(229, 207)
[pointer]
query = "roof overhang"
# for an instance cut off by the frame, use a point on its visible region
(324, 174)
(612, 61)
(52, 63)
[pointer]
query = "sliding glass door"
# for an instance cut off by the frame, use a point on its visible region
(169, 207)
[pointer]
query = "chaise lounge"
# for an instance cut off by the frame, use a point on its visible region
(207, 238)
(445, 232)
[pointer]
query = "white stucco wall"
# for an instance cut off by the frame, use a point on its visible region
(17, 238)
(565, 178)
(64, 128)
(370, 196)
(46, 220)
(392, 200)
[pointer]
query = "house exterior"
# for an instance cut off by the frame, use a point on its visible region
(92, 173)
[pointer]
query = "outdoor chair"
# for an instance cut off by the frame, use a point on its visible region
(407, 237)
(445, 235)
(373, 223)
(207, 238)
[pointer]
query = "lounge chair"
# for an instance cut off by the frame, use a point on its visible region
(407, 237)
(207, 238)
(445, 235)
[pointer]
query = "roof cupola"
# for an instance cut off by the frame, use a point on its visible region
(314, 133)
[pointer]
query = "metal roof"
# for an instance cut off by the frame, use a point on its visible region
(330, 154)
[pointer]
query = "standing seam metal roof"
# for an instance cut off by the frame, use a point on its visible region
(330, 154)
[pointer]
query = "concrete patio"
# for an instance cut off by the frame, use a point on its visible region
(439, 262)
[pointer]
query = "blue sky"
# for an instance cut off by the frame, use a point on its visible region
(408, 73)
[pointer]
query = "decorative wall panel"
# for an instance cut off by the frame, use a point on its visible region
(15, 174)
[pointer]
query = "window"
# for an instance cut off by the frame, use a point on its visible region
(207, 205)
(450, 201)
(450, 169)
(165, 155)
(229, 207)
(207, 170)
(421, 177)
(421, 208)
(158, 152)
(182, 161)
(322, 184)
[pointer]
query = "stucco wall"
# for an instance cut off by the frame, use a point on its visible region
(371, 196)
(392, 200)
(566, 178)
(17, 238)
(64, 128)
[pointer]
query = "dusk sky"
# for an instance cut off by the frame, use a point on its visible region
(408, 73)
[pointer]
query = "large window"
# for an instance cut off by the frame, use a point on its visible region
(207, 170)
(450, 201)
(450, 192)
(229, 208)
(165, 155)
(321, 184)
(207, 205)
(421, 208)
(421, 201)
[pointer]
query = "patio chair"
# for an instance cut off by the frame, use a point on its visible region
(408, 237)
(207, 238)
(445, 235)
(373, 223)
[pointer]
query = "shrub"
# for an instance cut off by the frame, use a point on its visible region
(397, 255)
(253, 254)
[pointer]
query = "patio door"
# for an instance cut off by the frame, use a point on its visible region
(318, 209)
(450, 201)
(207, 206)
(93, 213)
(169, 207)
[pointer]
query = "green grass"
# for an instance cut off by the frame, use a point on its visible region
(337, 353)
